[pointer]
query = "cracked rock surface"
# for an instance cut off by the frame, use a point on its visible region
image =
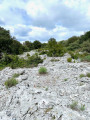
(49, 96)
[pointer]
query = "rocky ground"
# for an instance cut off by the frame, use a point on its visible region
(46, 97)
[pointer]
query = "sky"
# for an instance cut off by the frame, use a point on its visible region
(30, 20)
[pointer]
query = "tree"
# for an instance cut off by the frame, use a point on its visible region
(37, 44)
(55, 49)
(17, 47)
(84, 37)
(86, 46)
(28, 44)
(73, 46)
(5, 40)
(72, 39)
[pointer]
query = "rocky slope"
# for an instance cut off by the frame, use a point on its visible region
(46, 97)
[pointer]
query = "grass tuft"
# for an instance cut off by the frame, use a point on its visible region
(88, 74)
(74, 105)
(42, 70)
(82, 108)
(16, 75)
(11, 82)
(82, 75)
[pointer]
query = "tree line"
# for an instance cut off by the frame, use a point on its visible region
(10, 45)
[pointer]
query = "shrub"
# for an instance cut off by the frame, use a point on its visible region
(42, 70)
(73, 55)
(82, 75)
(34, 60)
(69, 59)
(88, 75)
(86, 58)
(6, 59)
(74, 105)
(11, 82)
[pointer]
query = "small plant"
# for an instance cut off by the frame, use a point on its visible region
(82, 108)
(82, 75)
(42, 70)
(88, 74)
(74, 105)
(69, 59)
(11, 82)
(65, 79)
(46, 89)
(16, 75)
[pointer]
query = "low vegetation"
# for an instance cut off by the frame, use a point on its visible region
(82, 108)
(54, 60)
(46, 89)
(10, 48)
(88, 74)
(69, 59)
(75, 106)
(42, 70)
(16, 75)
(83, 75)
(11, 82)
(65, 79)
(14, 61)
(86, 58)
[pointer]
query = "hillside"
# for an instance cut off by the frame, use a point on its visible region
(61, 94)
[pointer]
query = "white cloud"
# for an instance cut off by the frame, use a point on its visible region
(42, 19)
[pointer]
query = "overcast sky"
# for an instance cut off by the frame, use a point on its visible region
(42, 19)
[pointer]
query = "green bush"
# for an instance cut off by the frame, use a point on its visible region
(69, 59)
(42, 70)
(34, 59)
(11, 82)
